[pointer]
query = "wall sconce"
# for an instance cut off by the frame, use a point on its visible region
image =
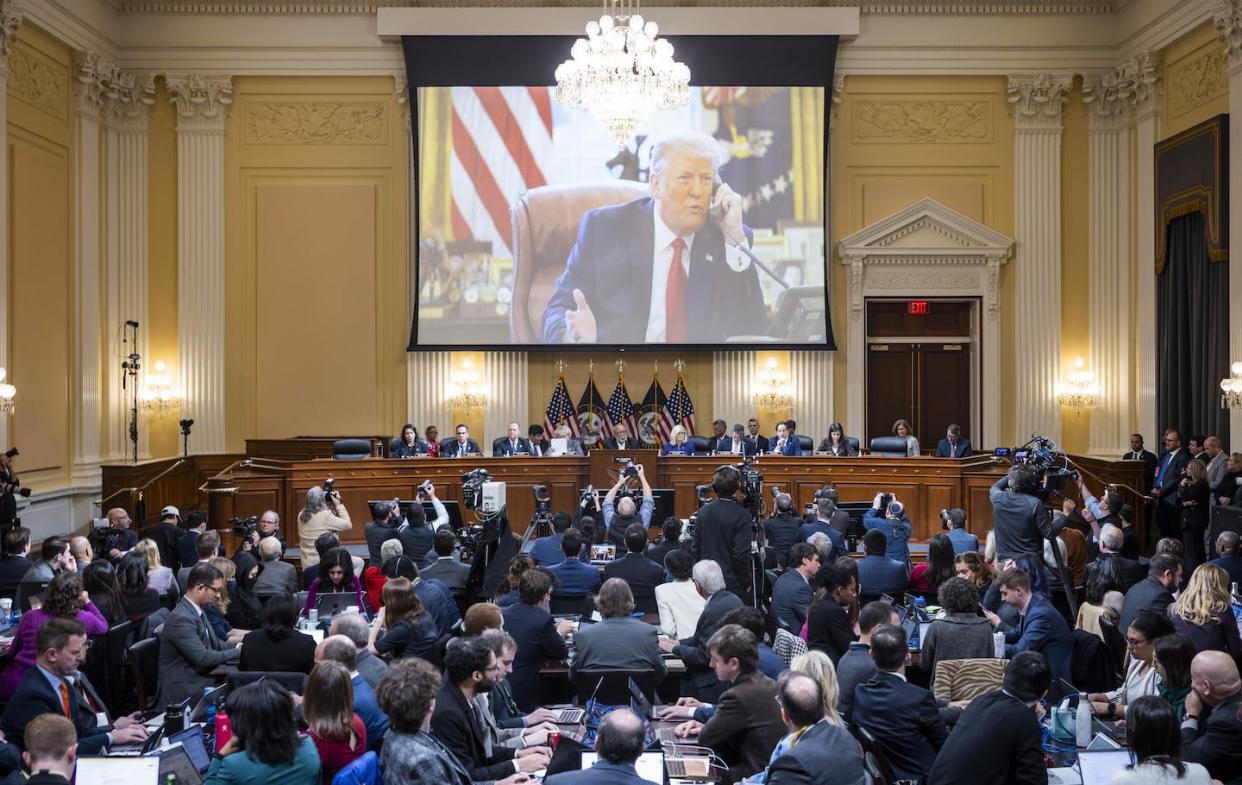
(465, 391)
(8, 394)
(773, 388)
(1230, 389)
(1080, 392)
(158, 396)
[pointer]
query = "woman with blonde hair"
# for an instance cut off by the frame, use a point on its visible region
(328, 708)
(1194, 496)
(159, 577)
(678, 442)
(1203, 614)
(818, 666)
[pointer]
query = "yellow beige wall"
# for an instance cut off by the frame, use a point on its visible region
(1075, 258)
(1196, 85)
(41, 319)
(162, 345)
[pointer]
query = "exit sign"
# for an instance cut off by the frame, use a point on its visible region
(918, 307)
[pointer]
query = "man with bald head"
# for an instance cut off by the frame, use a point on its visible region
(82, 552)
(619, 742)
(618, 515)
(818, 752)
(339, 648)
(1227, 556)
(1211, 730)
(118, 519)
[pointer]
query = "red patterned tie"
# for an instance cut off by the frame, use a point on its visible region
(675, 296)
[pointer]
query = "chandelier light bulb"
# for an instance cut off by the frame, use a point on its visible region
(1235, 369)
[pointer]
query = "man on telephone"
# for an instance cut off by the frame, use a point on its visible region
(666, 268)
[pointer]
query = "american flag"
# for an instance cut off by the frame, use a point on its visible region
(591, 414)
(621, 409)
(649, 414)
(560, 411)
(677, 410)
(502, 147)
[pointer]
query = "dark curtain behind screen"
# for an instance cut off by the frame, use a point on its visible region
(1192, 332)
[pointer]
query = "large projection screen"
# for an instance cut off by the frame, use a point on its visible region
(535, 230)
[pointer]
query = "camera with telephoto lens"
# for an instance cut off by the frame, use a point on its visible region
(885, 500)
(104, 539)
(1050, 465)
(244, 527)
(327, 487)
(18, 488)
(630, 471)
(424, 488)
(472, 487)
(750, 482)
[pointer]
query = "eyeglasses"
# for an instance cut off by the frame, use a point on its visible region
(1136, 642)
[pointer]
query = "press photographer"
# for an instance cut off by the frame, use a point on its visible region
(116, 538)
(781, 530)
(10, 487)
(889, 516)
(723, 533)
(323, 513)
(412, 531)
(1020, 518)
(618, 515)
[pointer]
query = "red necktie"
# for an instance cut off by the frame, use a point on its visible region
(675, 296)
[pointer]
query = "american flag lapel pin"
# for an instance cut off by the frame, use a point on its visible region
(707, 258)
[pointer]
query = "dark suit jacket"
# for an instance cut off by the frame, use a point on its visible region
(602, 773)
(724, 537)
(611, 263)
(452, 573)
(537, 641)
(457, 727)
(1171, 476)
(12, 570)
(1149, 460)
(35, 696)
(781, 532)
(166, 536)
(1146, 595)
(294, 653)
(189, 652)
(790, 597)
(746, 726)
(793, 446)
(400, 449)
(828, 628)
(824, 754)
(1217, 743)
(621, 644)
(904, 719)
(761, 442)
(641, 573)
(997, 739)
(1022, 522)
(438, 601)
(450, 448)
(1043, 629)
(276, 577)
(501, 447)
(961, 450)
(547, 550)
(882, 575)
(631, 443)
(693, 650)
(725, 444)
(576, 577)
(1128, 570)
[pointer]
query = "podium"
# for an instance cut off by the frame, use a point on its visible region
(606, 465)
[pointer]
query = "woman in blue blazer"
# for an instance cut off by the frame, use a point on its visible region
(680, 443)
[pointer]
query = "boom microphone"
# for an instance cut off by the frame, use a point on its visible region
(131, 323)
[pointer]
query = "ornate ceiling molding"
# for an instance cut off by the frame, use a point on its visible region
(901, 7)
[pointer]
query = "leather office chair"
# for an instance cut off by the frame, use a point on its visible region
(545, 226)
(854, 445)
(143, 659)
(701, 444)
(294, 682)
(806, 443)
(351, 449)
(888, 447)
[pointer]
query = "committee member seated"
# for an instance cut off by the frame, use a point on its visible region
(700, 680)
(656, 269)
(678, 442)
(265, 746)
(622, 439)
(679, 602)
(901, 429)
(792, 593)
(48, 689)
(786, 442)
(618, 642)
(642, 574)
(512, 444)
(408, 444)
(574, 576)
(877, 573)
(573, 446)
(836, 444)
(51, 752)
(539, 637)
(1212, 728)
(460, 446)
(619, 741)
(901, 716)
(324, 512)
(735, 444)
(189, 650)
(894, 524)
(953, 445)
(1041, 628)
(620, 515)
(817, 750)
(446, 568)
(998, 738)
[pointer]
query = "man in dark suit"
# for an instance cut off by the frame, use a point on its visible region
(1139, 453)
(752, 430)
(470, 669)
(1227, 556)
(275, 576)
(670, 539)
(621, 439)
(189, 649)
(513, 444)
(206, 546)
(792, 593)
(723, 534)
(166, 534)
(747, 723)
(460, 446)
(781, 530)
(826, 513)
(786, 442)
(828, 628)
(14, 564)
(573, 575)
(446, 569)
(1155, 592)
(619, 741)
(547, 550)
(901, 716)
(437, 600)
(656, 270)
(617, 642)
(1042, 627)
(820, 752)
(1211, 728)
(734, 444)
(187, 554)
(953, 445)
(878, 574)
(997, 738)
(700, 681)
(538, 636)
(47, 689)
(1167, 484)
(641, 573)
(1021, 520)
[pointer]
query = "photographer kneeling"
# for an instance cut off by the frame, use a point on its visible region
(323, 513)
(723, 532)
(619, 515)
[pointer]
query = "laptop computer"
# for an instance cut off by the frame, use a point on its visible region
(333, 603)
(1100, 767)
(650, 765)
(211, 697)
(192, 741)
(602, 554)
(118, 771)
(176, 762)
(138, 748)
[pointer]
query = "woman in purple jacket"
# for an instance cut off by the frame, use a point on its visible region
(64, 598)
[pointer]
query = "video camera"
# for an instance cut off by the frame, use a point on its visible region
(327, 487)
(244, 527)
(104, 538)
(472, 487)
(18, 488)
(543, 498)
(1041, 455)
(750, 483)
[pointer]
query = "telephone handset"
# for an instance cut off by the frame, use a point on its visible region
(715, 211)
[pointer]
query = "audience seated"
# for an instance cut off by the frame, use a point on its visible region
(204, 545)
(1154, 741)
(14, 563)
(877, 573)
(1227, 557)
(433, 594)
(354, 627)
(1042, 627)
(670, 540)
(54, 558)
(642, 574)
(328, 710)
(446, 568)
(539, 638)
(275, 576)
(407, 630)
(338, 648)
(700, 680)
(1203, 612)
(51, 744)
(894, 524)
(1211, 728)
(481, 617)
(245, 607)
(618, 742)
(547, 550)
(961, 633)
(336, 575)
(278, 645)
(518, 566)
(783, 529)
(374, 576)
(137, 596)
(1173, 657)
(1141, 676)
(856, 665)
(751, 620)
(617, 642)
(817, 750)
(903, 717)
(926, 577)
(1155, 592)
(974, 568)
(574, 577)
(678, 601)
(517, 735)
(82, 553)
(47, 689)
(998, 736)
(64, 599)
(817, 665)
(99, 581)
(265, 746)
(323, 543)
(1120, 570)
(189, 650)
(963, 541)
(828, 628)
(792, 592)
(159, 577)
(219, 613)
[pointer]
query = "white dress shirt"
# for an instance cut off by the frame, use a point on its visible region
(662, 256)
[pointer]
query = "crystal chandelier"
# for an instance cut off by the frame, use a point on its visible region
(158, 396)
(8, 394)
(1080, 392)
(1231, 388)
(773, 390)
(467, 392)
(622, 73)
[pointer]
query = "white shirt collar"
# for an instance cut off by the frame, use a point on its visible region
(664, 236)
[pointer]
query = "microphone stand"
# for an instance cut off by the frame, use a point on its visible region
(129, 370)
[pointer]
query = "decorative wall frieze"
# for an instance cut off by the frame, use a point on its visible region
(39, 81)
(1037, 100)
(1229, 30)
(921, 122)
(316, 122)
(1197, 81)
(201, 101)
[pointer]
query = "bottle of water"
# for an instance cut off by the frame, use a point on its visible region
(1082, 721)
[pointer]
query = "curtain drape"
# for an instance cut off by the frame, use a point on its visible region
(1192, 332)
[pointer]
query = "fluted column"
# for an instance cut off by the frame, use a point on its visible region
(733, 375)
(10, 20)
(430, 374)
(810, 373)
(201, 103)
(506, 378)
(1108, 178)
(1142, 75)
(1036, 102)
(1229, 27)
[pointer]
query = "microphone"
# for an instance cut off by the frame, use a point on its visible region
(131, 323)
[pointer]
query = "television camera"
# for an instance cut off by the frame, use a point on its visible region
(1041, 455)
(244, 527)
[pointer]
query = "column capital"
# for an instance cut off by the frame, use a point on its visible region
(10, 20)
(1141, 81)
(1107, 97)
(202, 101)
(1037, 100)
(93, 76)
(132, 100)
(1228, 20)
